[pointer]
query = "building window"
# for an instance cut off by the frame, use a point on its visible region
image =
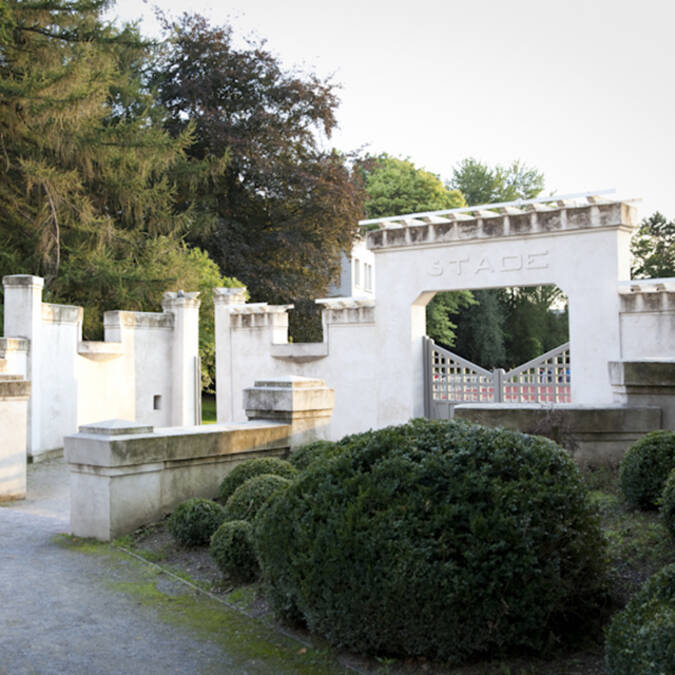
(357, 272)
(368, 276)
(156, 402)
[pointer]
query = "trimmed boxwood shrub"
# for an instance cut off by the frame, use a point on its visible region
(641, 638)
(254, 467)
(645, 467)
(668, 503)
(247, 499)
(306, 454)
(195, 520)
(233, 552)
(436, 539)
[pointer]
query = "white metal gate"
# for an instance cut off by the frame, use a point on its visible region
(451, 379)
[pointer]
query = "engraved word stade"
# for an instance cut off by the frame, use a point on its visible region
(505, 263)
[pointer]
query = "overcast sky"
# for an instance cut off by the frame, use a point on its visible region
(584, 90)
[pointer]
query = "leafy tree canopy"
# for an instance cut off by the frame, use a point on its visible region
(270, 206)
(653, 248)
(481, 184)
(86, 199)
(397, 186)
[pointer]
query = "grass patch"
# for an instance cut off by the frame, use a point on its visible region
(209, 409)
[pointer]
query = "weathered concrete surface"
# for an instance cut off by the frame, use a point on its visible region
(595, 435)
(64, 611)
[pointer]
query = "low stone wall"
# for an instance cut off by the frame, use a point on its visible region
(14, 395)
(592, 435)
(124, 475)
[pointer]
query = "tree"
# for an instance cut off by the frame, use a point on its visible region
(85, 196)
(397, 186)
(270, 206)
(481, 184)
(653, 248)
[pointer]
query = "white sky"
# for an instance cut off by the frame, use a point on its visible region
(583, 90)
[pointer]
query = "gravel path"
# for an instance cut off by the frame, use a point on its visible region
(62, 610)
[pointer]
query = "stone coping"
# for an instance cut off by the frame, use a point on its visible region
(124, 319)
(171, 444)
(62, 313)
(609, 418)
(27, 280)
(491, 225)
(180, 299)
(100, 351)
(654, 372)
(301, 352)
(13, 388)
(13, 344)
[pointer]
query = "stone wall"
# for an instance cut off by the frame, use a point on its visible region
(252, 344)
(144, 370)
(14, 394)
(124, 475)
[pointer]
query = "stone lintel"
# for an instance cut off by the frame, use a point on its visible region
(488, 225)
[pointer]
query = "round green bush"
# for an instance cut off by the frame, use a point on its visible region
(303, 456)
(195, 520)
(247, 499)
(254, 467)
(645, 467)
(232, 549)
(435, 539)
(641, 638)
(668, 503)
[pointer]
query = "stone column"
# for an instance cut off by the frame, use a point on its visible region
(223, 300)
(23, 318)
(14, 395)
(186, 382)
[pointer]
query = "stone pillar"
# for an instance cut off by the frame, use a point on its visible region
(305, 403)
(14, 396)
(186, 378)
(23, 319)
(648, 382)
(223, 300)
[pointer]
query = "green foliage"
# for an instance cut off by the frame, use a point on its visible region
(668, 503)
(640, 638)
(232, 549)
(481, 184)
(86, 198)
(480, 330)
(248, 498)
(396, 186)
(194, 521)
(440, 327)
(653, 248)
(253, 467)
(303, 456)
(267, 202)
(435, 539)
(645, 468)
(305, 322)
